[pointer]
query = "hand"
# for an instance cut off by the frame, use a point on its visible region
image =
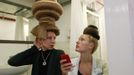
(38, 43)
(65, 67)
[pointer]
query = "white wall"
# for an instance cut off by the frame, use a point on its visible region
(19, 34)
(8, 50)
(102, 32)
(77, 24)
(62, 41)
(13, 30)
(7, 29)
(32, 23)
(119, 39)
(131, 15)
(64, 23)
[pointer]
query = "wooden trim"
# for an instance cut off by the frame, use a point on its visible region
(16, 42)
(7, 18)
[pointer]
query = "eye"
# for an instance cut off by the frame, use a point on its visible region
(51, 38)
(81, 39)
(48, 37)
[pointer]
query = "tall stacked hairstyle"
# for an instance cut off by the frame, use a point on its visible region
(93, 33)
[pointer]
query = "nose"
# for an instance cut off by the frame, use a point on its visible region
(77, 42)
(53, 40)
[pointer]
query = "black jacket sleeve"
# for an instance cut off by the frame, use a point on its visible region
(24, 58)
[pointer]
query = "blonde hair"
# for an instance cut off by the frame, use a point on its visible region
(41, 30)
(95, 41)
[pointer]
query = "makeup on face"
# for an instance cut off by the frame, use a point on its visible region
(82, 43)
(49, 42)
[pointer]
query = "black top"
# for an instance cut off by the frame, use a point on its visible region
(79, 73)
(44, 68)
(32, 56)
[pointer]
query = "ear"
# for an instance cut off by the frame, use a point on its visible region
(91, 45)
(38, 40)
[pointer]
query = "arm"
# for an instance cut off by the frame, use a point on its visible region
(24, 58)
(27, 57)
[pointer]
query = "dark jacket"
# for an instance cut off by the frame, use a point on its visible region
(32, 55)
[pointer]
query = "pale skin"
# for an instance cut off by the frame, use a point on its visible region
(85, 47)
(46, 43)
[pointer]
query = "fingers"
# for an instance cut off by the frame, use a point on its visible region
(38, 43)
(65, 67)
(62, 61)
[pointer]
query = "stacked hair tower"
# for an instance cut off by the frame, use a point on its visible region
(47, 12)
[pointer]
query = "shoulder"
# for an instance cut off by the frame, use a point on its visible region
(100, 67)
(58, 51)
(97, 63)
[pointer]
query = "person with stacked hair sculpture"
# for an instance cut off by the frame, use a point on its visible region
(43, 57)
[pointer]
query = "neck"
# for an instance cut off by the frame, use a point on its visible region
(44, 49)
(86, 58)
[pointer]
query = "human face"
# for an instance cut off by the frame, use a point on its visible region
(83, 44)
(49, 42)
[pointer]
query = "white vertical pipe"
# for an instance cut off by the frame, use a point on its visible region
(19, 33)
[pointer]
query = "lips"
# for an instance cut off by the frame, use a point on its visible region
(51, 45)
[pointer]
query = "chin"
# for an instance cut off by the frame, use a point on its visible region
(77, 50)
(50, 48)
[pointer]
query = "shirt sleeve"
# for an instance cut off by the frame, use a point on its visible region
(24, 58)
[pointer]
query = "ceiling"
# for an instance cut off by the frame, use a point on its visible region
(21, 7)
